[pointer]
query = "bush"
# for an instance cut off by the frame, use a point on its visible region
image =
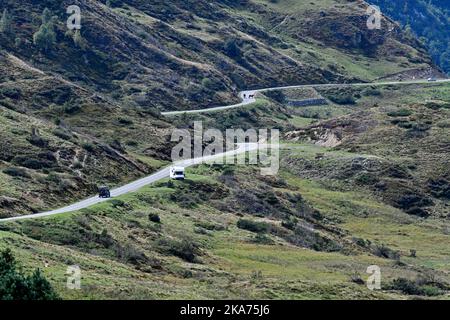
(261, 238)
(341, 96)
(372, 92)
(385, 252)
(289, 224)
(207, 83)
(45, 37)
(62, 134)
(6, 23)
(185, 249)
(153, 217)
(16, 172)
(88, 146)
(232, 49)
(116, 203)
(253, 226)
(14, 285)
(38, 141)
(356, 278)
(210, 226)
(125, 121)
(410, 287)
(12, 93)
(77, 164)
(276, 95)
(130, 254)
(71, 107)
(406, 286)
(400, 113)
(37, 163)
(184, 200)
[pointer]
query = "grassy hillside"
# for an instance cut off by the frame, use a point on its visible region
(364, 180)
(98, 93)
(310, 232)
(429, 20)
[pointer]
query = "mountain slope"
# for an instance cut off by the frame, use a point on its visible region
(429, 20)
(139, 57)
(363, 179)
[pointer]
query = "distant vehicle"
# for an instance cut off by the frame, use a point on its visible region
(432, 79)
(177, 173)
(103, 192)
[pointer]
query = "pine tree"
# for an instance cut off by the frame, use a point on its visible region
(6, 23)
(45, 37)
(14, 285)
(408, 32)
(79, 41)
(46, 16)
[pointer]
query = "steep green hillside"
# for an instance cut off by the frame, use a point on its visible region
(364, 179)
(429, 20)
(178, 54)
(98, 93)
(373, 197)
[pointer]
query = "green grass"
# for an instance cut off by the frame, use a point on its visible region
(300, 121)
(279, 271)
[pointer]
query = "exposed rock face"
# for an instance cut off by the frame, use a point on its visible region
(331, 133)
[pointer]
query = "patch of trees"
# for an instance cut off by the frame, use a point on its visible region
(184, 249)
(424, 285)
(15, 285)
(45, 37)
(428, 20)
(6, 25)
(253, 226)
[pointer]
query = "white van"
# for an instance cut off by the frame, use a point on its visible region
(177, 173)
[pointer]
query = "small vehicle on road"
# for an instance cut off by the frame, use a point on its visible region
(177, 173)
(432, 79)
(104, 192)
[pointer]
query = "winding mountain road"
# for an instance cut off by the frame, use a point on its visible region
(247, 97)
(138, 184)
(244, 95)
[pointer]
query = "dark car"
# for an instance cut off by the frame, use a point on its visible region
(103, 192)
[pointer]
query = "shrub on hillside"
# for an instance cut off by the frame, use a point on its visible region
(385, 252)
(153, 217)
(407, 286)
(185, 249)
(262, 238)
(45, 37)
(12, 93)
(60, 133)
(16, 172)
(14, 285)
(6, 24)
(400, 113)
(253, 226)
(88, 146)
(117, 203)
(232, 49)
(343, 99)
(33, 163)
(130, 254)
(38, 141)
(276, 95)
(210, 226)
